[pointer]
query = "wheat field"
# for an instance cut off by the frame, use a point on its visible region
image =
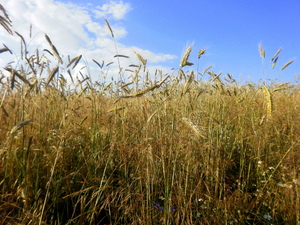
(174, 150)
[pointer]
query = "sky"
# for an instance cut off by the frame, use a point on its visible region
(160, 31)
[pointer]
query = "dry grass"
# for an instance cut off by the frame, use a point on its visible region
(178, 151)
(268, 100)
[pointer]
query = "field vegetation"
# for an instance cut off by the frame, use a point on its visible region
(154, 149)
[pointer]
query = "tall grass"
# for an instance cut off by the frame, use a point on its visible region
(176, 151)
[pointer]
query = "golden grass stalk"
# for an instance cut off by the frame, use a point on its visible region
(30, 65)
(122, 56)
(116, 109)
(274, 62)
(215, 77)
(109, 64)
(82, 91)
(15, 73)
(201, 52)
(184, 60)
(146, 90)
(19, 126)
(110, 30)
(76, 60)
(287, 64)
(262, 52)
(268, 99)
(188, 83)
(54, 50)
(107, 86)
(193, 127)
(51, 75)
(126, 84)
(5, 22)
(1, 103)
(140, 58)
(98, 64)
(282, 86)
(58, 153)
(34, 83)
(206, 69)
(23, 43)
(22, 38)
(5, 50)
(275, 57)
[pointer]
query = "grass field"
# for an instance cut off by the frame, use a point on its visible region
(170, 150)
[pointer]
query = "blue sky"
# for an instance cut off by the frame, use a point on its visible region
(161, 30)
(230, 31)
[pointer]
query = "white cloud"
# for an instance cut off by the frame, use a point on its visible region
(73, 30)
(117, 9)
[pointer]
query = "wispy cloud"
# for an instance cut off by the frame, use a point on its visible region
(74, 30)
(117, 10)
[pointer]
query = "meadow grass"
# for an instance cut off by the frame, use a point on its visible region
(175, 151)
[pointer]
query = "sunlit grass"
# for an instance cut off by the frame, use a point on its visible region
(175, 151)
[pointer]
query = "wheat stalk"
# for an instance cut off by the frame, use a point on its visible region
(274, 62)
(5, 22)
(184, 60)
(76, 60)
(109, 27)
(276, 55)
(19, 126)
(5, 49)
(282, 86)
(206, 69)
(287, 64)
(98, 64)
(54, 50)
(144, 91)
(262, 52)
(142, 60)
(51, 75)
(15, 73)
(268, 99)
(122, 56)
(193, 127)
(201, 52)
